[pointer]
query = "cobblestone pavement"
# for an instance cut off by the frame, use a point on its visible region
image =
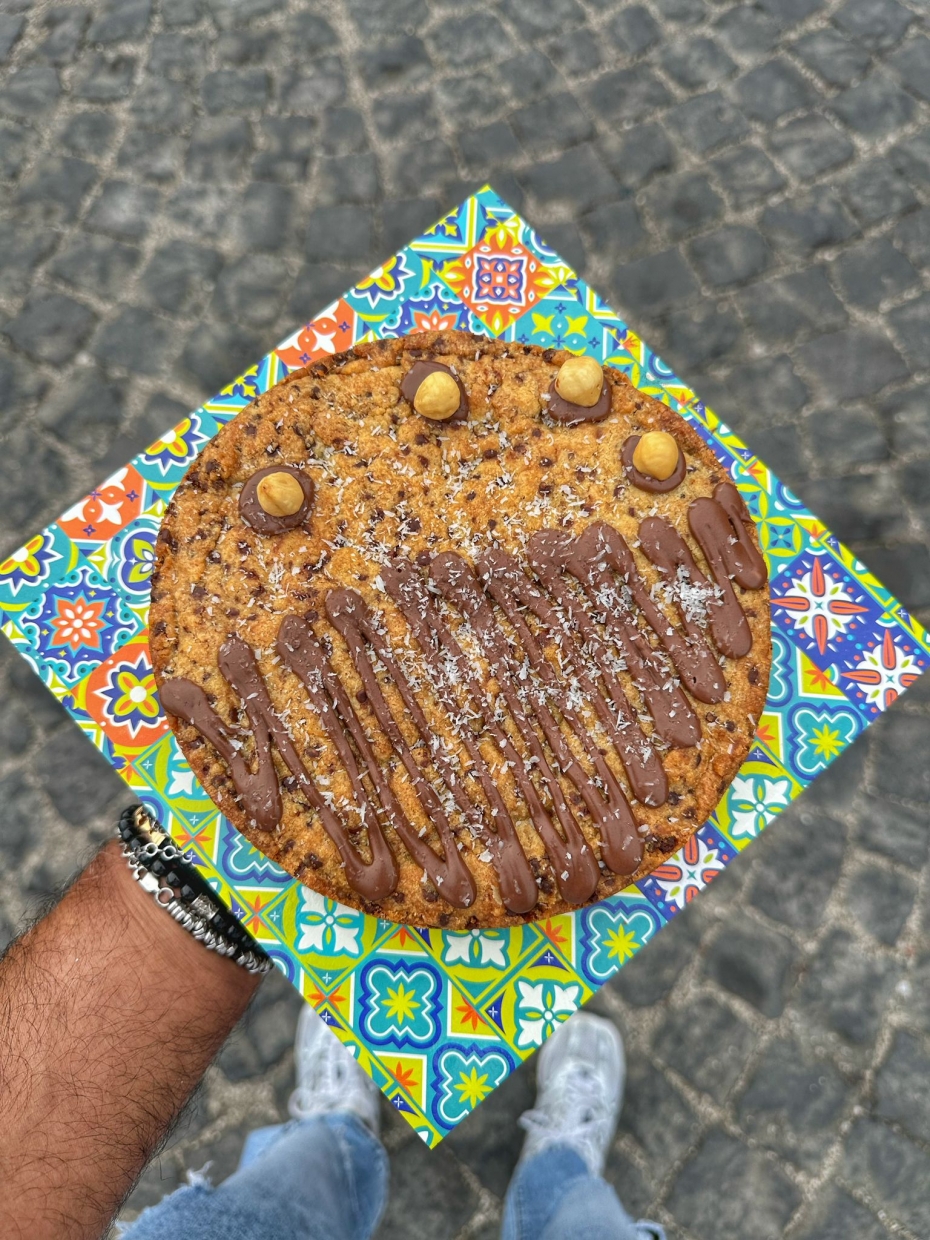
(185, 180)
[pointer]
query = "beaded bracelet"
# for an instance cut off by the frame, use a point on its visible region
(159, 867)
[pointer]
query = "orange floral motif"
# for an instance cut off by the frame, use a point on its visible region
(405, 1077)
(330, 332)
(107, 510)
(555, 934)
(253, 922)
(469, 1015)
(499, 279)
(817, 680)
(434, 321)
(78, 623)
(883, 673)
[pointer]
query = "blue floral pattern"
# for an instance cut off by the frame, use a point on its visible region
(464, 1077)
(400, 1003)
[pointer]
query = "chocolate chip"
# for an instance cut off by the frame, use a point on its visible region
(423, 559)
(660, 843)
(490, 454)
(753, 675)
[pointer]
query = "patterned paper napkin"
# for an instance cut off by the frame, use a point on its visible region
(438, 1018)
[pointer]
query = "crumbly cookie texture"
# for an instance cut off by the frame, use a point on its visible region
(390, 484)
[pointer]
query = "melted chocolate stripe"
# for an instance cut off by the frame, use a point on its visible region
(622, 846)
(694, 661)
(409, 604)
(640, 761)
(672, 556)
(374, 879)
(745, 561)
(470, 811)
(302, 653)
(552, 554)
(449, 874)
(578, 873)
(258, 790)
(518, 887)
(720, 527)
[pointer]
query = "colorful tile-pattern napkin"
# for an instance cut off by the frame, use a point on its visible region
(437, 1018)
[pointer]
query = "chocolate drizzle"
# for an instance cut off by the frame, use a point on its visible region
(264, 522)
(302, 653)
(721, 526)
(415, 376)
(562, 410)
(259, 790)
(646, 482)
(641, 762)
(554, 645)
(553, 555)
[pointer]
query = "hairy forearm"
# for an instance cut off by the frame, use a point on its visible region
(109, 1014)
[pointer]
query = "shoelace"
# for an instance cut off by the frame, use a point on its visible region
(575, 1113)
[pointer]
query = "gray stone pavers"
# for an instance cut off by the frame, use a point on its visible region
(183, 181)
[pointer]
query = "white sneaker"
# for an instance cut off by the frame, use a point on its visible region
(579, 1080)
(328, 1078)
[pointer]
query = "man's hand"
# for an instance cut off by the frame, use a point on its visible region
(109, 1014)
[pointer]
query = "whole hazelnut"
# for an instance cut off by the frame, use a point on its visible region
(437, 397)
(280, 494)
(656, 455)
(579, 381)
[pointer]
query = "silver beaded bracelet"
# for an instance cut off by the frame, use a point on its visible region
(160, 869)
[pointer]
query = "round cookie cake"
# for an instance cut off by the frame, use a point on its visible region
(461, 632)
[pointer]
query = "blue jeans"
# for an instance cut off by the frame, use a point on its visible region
(326, 1178)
